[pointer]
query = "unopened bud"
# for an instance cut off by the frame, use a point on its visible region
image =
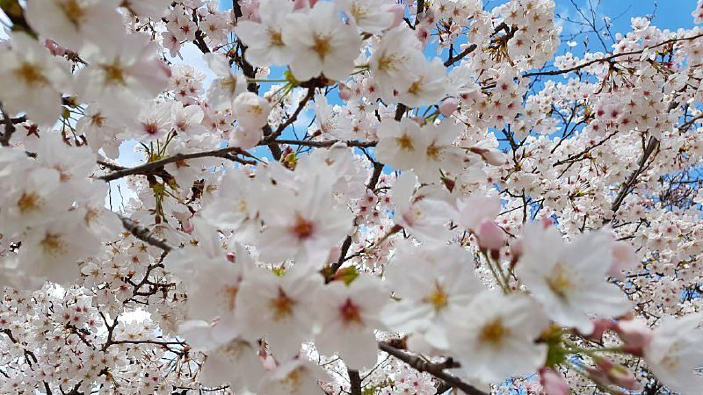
(553, 383)
(636, 335)
(490, 236)
(344, 92)
(448, 106)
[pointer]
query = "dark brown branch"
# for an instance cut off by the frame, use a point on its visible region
(578, 156)
(354, 382)
(611, 57)
(9, 128)
(273, 136)
(626, 187)
(158, 165)
(144, 234)
(435, 369)
(420, 11)
(460, 55)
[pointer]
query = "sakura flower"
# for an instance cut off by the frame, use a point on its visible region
(428, 85)
(440, 153)
(400, 144)
(476, 209)
(35, 198)
(370, 16)
(348, 315)
(278, 308)
(72, 23)
(53, 249)
(224, 352)
(119, 73)
(37, 80)
(569, 280)
(674, 354)
(188, 119)
(321, 43)
(251, 110)
(228, 85)
(150, 9)
(214, 287)
(264, 40)
(421, 216)
(232, 204)
(499, 339)
(393, 61)
(432, 283)
(154, 121)
(303, 225)
(293, 377)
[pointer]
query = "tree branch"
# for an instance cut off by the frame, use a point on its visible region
(354, 382)
(436, 370)
(625, 189)
(144, 234)
(9, 128)
(460, 55)
(158, 165)
(611, 57)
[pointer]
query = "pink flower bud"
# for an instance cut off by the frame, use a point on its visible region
(599, 328)
(635, 334)
(344, 92)
(398, 11)
(612, 373)
(54, 48)
(304, 4)
(553, 383)
(448, 106)
(188, 226)
(515, 252)
(516, 248)
(490, 236)
(624, 258)
(546, 222)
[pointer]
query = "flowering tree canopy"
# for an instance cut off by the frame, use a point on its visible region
(349, 196)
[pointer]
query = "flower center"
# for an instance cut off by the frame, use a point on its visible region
(560, 282)
(494, 332)
(405, 142)
(73, 11)
(350, 312)
(28, 202)
(52, 244)
(151, 128)
(114, 74)
(275, 38)
(302, 228)
(438, 298)
(321, 46)
(282, 306)
(433, 151)
(31, 74)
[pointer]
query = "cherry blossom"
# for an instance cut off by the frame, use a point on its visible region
(349, 196)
